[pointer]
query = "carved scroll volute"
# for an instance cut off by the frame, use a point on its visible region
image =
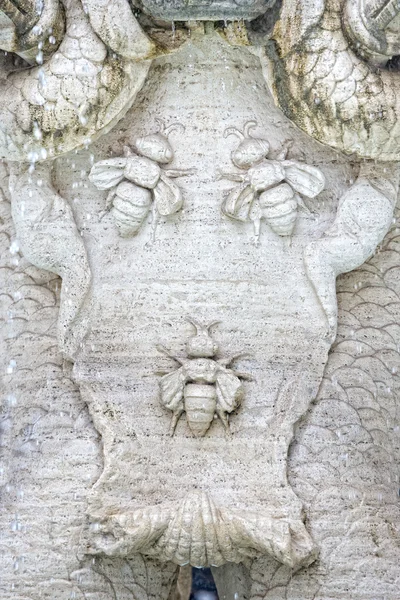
(326, 84)
(373, 27)
(31, 29)
(49, 239)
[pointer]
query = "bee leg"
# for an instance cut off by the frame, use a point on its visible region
(174, 421)
(174, 173)
(109, 204)
(303, 206)
(224, 418)
(287, 240)
(165, 351)
(154, 222)
(242, 375)
(110, 199)
(257, 231)
(237, 177)
(285, 150)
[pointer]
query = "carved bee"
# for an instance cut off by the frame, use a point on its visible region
(137, 182)
(202, 386)
(270, 189)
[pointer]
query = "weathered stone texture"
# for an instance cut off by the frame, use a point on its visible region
(286, 459)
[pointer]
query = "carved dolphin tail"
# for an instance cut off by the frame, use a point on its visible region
(50, 240)
(318, 72)
(84, 88)
(201, 534)
(363, 218)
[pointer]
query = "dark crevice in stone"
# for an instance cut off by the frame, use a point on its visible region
(203, 585)
(393, 64)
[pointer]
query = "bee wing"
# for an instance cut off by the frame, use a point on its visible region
(106, 174)
(305, 179)
(167, 196)
(172, 386)
(237, 204)
(229, 390)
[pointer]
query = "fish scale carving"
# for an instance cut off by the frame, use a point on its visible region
(326, 88)
(83, 88)
(344, 461)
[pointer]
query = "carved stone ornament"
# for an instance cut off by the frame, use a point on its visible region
(203, 386)
(270, 189)
(137, 181)
(102, 104)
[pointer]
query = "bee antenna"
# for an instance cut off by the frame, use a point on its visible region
(173, 127)
(247, 128)
(195, 324)
(161, 125)
(233, 131)
(285, 149)
(212, 324)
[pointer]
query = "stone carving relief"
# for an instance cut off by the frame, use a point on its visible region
(202, 386)
(323, 84)
(82, 91)
(270, 189)
(199, 533)
(346, 452)
(363, 218)
(373, 29)
(137, 182)
(32, 30)
(216, 491)
(185, 10)
(49, 239)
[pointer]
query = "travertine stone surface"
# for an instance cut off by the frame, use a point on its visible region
(212, 10)
(212, 295)
(193, 268)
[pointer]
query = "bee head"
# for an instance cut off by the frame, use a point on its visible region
(250, 150)
(201, 345)
(156, 145)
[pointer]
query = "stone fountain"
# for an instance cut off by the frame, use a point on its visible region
(185, 381)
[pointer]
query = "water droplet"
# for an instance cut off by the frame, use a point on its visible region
(11, 366)
(14, 248)
(37, 132)
(42, 79)
(33, 156)
(11, 400)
